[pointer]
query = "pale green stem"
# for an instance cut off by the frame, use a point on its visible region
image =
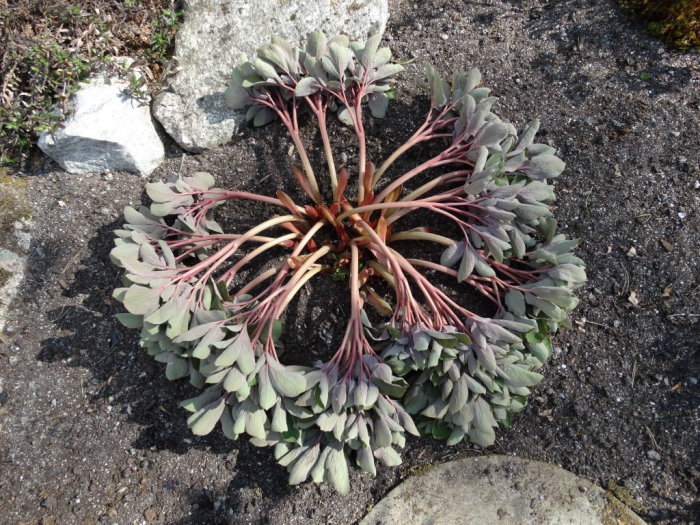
(300, 275)
(219, 257)
(432, 163)
(381, 206)
(301, 282)
(328, 152)
(231, 273)
(425, 188)
(383, 272)
(421, 236)
(307, 237)
(417, 137)
(315, 193)
(259, 279)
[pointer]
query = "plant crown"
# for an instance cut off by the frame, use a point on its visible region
(432, 366)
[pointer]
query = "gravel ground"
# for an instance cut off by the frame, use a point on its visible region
(90, 430)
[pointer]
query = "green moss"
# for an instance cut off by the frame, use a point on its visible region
(421, 469)
(13, 201)
(4, 276)
(625, 496)
(676, 21)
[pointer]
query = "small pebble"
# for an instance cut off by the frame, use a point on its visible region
(150, 514)
(653, 455)
(681, 215)
(444, 36)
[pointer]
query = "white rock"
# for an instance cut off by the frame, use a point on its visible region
(107, 129)
(213, 35)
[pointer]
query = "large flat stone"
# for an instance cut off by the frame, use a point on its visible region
(499, 490)
(213, 35)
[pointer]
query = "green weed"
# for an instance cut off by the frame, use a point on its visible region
(676, 21)
(47, 49)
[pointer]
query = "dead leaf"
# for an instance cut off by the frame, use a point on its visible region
(676, 386)
(668, 290)
(4, 339)
(667, 245)
(633, 298)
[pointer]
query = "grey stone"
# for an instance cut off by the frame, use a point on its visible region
(498, 489)
(653, 455)
(106, 129)
(216, 32)
(7, 256)
(13, 266)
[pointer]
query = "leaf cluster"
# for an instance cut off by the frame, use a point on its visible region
(433, 367)
(336, 70)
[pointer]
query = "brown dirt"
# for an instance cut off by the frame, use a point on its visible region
(90, 428)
